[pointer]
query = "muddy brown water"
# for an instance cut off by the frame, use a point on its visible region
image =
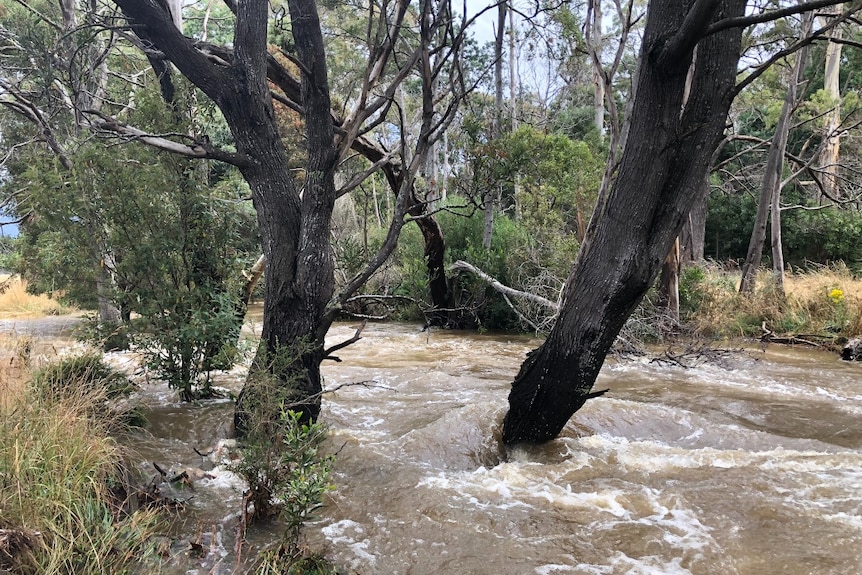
(750, 467)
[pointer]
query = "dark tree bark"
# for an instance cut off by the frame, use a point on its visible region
(661, 171)
(294, 230)
(432, 234)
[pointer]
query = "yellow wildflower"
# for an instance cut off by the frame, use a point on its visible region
(836, 295)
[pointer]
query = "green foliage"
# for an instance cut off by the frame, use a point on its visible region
(287, 477)
(85, 372)
(155, 235)
(8, 254)
(195, 334)
(691, 294)
(814, 235)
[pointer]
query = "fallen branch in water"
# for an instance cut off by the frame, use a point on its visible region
(769, 336)
(461, 265)
(695, 355)
(366, 384)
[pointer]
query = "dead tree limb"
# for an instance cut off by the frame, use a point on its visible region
(461, 265)
(356, 337)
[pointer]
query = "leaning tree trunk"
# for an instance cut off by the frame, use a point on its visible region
(661, 174)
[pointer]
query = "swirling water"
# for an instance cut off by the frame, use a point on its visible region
(750, 467)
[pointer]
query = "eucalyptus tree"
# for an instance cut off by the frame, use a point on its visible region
(665, 158)
(770, 193)
(294, 208)
(782, 150)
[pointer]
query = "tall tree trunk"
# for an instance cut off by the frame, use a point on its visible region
(669, 277)
(594, 39)
(661, 173)
(88, 77)
(771, 185)
(777, 249)
(492, 194)
(832, 145)
(669, 282)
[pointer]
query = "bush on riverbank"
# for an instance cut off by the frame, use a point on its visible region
(58, 513)
(824, 303)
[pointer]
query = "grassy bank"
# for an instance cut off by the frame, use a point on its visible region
(17, 303)
(825, 303)
(58, 511)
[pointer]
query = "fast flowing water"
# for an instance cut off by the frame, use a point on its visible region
(751, 466)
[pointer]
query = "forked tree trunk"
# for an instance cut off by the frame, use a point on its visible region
(661, 175)
(294, 230)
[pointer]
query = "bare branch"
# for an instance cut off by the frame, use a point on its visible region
(197, 149)
(327, 354)
(771, 15)
(461, 265)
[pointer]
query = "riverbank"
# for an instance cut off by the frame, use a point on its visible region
(62, 505)
(825, 304)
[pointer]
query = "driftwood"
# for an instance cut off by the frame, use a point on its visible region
(768, 336)
(695, 355)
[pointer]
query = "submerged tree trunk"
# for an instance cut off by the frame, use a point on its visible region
(294, 230)
(661, 175)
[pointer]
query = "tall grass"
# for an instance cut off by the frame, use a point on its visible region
(16, 302)
(824, 303)
(57, 465)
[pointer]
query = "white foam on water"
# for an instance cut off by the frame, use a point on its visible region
(551, 569)
(648, 565)
(220, 478)
(850, 520)
(531, 485)
(346, 533)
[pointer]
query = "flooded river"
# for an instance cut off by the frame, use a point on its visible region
(749, 467)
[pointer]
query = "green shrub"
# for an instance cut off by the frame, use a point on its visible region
(287, 478)
(87, 372)
(281, 460)
(57, 466)
(195, 334)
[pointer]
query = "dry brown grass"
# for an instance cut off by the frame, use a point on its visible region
(825, 302)
(16, 303)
